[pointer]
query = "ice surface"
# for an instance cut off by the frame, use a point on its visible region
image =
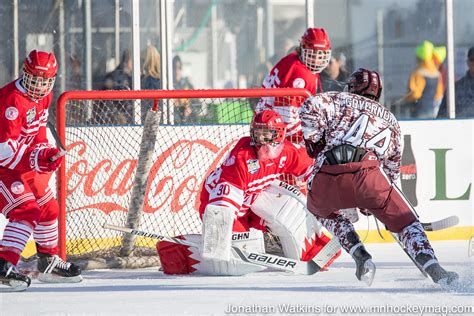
(398, 287)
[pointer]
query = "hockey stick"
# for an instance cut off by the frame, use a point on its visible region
(409, 256)
(441, 224)
(59, 144)
(428, 226)
(261, 259)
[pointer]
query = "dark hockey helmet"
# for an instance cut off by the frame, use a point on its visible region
(366, 83)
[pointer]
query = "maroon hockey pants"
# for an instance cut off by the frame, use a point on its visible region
(364, 185)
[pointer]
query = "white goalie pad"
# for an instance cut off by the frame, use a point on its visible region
(217, 224)
(251, 241)
(288, 218)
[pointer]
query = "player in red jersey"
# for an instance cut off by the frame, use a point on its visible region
(26, 162)
(356, 144)
(242, 194)
(299, 69)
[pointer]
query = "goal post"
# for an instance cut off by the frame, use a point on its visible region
(104, 143)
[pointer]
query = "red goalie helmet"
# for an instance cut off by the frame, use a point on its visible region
(267, 131)
(315, 49)
(366, 83)
(39, 74)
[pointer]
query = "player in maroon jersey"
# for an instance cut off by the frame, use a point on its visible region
(26, 162)
(356, 144)
(299, 69)
(241, 194)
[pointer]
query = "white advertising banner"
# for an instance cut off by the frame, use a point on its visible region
(437, 173)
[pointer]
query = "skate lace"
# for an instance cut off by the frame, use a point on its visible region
(57, 262)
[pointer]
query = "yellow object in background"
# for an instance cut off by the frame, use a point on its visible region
(424, 51)
(439, 54)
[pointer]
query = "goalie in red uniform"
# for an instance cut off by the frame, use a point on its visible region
(356, 144)
(244, 193)
(26, 163)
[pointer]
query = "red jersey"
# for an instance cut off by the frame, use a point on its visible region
(241, 177)
(289, 72)
(346, 118)
(23, 125)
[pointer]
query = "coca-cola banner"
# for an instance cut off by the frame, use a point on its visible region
(101, 175)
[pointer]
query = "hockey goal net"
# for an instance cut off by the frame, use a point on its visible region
(129, 168)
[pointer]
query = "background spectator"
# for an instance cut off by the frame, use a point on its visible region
(334, 76)
(284, 46)
(183, 110)
(121, 77)
(151, 77)
(464, 92)
(425, 88)
(117, 112)
(262, 70)
(439, 55)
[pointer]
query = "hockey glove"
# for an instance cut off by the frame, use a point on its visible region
(44, 158)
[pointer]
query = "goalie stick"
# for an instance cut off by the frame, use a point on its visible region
(262, 259)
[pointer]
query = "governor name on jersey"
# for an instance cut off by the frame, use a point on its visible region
(369, 106)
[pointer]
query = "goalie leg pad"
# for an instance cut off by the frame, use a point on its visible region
(217, 224)
(179, 259)
(297, 229)
(175, 258)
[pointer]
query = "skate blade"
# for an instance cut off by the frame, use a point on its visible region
(368, 276)
(13, 286)
(52, 278)
(456, 285)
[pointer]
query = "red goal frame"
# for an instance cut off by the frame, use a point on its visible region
(154, 95)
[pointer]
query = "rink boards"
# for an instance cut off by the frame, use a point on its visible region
(443, 152)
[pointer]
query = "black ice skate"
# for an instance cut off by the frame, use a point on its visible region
(444, 278)
(365, 267)
(10, 279)
(54, 270)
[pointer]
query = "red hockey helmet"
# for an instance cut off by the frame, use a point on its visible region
(315, 49)
(366, 83)
(39, 74)
(267, 131)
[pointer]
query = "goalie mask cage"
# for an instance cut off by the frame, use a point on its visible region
(146, 176)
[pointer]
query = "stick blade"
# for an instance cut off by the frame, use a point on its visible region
(327, 252)
(442, 224)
